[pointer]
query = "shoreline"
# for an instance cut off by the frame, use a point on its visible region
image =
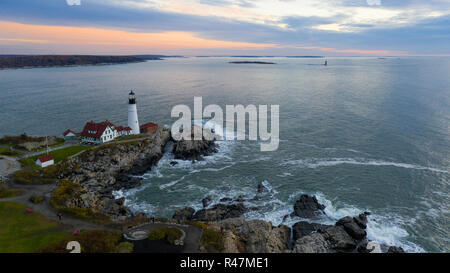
(116, 166)
(79, 65)
(48, 61)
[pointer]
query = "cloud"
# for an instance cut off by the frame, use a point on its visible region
(374, 2)
(73, 2)
(395, 26)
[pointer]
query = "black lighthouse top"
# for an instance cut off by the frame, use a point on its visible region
(131, 98)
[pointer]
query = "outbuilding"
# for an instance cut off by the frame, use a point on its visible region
(45, 161)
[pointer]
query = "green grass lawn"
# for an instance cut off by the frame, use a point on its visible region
(25, 233)
(6, 193)
(7, 152)
(122, 138)
(59, 156)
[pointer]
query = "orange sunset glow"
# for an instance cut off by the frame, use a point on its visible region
(11, 32)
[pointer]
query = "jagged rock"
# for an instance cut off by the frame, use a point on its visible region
(225, 199)
(206, 201)
(184, 214)
(340, 240)
(352, 228)
(262, 188)
(173, 163)
(395, 249)
(120, 201)
(314, 243)
(361, 220)
(302, 229)
(231, 242)
(220, 212)
(258, 236)
(194, 149)
(307, 207)
(330, 240)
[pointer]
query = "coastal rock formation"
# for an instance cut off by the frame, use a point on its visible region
(184, 214)
(102, 170)
(302, 229)
(195, 149)
(330, 240)
(255, 236)
(307, 207)
(354, 226)
(219, 212)
(345, 236)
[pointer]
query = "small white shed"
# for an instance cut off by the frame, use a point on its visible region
(45, 161)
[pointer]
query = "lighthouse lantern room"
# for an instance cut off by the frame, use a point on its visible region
(133, 122)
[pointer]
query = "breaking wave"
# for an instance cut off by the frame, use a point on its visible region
(329, 162)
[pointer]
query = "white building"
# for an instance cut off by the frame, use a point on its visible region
(45, 161)
(98, 133)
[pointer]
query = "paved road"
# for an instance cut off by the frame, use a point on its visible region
(30, 154)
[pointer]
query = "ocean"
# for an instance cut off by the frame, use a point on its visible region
(362, 134)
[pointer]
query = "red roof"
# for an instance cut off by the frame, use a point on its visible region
(45, 158)
(68, 132)
(127, 128)
(147, 125)
(119, 128)
(95, 130)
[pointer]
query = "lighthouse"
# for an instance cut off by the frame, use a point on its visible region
(133, 122)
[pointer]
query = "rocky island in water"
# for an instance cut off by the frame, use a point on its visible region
(251, 62)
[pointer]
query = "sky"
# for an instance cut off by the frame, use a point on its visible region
(226, 27)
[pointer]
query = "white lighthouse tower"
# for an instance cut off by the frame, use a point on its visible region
(133, 122)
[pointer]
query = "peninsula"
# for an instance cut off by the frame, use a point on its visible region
(16, 61)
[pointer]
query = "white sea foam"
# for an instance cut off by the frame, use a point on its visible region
(329, 162)
(383, 229)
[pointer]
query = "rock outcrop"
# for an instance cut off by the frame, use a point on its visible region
(256, 236)
(110, 167)
(303, 228)
(220, 212)
(355, 226)
(184, 214)
(195, 149)
(307, 207)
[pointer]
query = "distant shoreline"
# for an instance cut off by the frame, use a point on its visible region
(48, 61)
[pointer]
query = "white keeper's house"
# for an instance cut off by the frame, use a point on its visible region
(102, 132)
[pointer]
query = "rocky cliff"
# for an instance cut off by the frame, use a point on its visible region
(106, 168)
(257, 236)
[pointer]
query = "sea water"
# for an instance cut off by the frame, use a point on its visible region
(362, 134)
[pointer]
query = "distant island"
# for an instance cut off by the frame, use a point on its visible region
(21, 61)
(249, 62)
